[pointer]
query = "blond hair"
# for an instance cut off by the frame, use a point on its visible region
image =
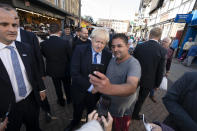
(101, 33)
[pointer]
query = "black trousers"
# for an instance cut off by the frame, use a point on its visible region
(24, 112)
(88, 102)
(66, 81)
(45, 105)
(141, 98)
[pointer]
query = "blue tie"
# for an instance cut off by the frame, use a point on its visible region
(95, 59)
(18, 73)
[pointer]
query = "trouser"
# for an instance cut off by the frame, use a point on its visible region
(24, 112)
(188, 60)
(88, 102)
(141, 98)
(58, 81)
(45, 105)
(121, 123)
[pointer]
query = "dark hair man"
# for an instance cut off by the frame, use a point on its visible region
(83, 39)
(57, 54)
(120, 83)
(21, 84)
(180, 101)
(151, 56)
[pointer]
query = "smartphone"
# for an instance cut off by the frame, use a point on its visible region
(103, 106)
(97, 67)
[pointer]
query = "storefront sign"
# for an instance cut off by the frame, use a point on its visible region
(183, 18)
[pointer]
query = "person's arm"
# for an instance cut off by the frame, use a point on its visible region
(38, 56)
(76, 75)
(160, 70)
(171, 102)
(104, 86)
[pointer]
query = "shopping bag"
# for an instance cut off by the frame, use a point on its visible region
(164, 84)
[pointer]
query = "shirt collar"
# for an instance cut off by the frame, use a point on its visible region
(154, 40)
(94, 52)
(54, 35)
(2, 46)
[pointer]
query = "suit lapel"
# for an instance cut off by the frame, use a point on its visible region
(89, 57)
(4, 74)
(103, 57)
(24, 56)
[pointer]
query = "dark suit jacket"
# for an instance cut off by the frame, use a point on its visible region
(180, 101)
(80, 69)
(31, 39)
(7, 95)
(57, 54)
(151, 56)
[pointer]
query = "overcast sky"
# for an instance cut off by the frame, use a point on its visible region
(110, 9)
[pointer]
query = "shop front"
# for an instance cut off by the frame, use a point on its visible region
(191, 31)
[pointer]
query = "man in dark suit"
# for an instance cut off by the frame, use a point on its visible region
(21, 85)
(83, 57)
(57, 54)
(30, 38)
(180, 101)
(151, 56)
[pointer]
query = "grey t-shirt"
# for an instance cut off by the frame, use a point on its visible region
(117, 74)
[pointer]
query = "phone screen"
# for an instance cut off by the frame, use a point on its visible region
(103, 106)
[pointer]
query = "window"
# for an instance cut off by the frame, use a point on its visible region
(56, 2)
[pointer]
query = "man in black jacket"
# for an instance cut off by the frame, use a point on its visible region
(31, 40)
(180, 101)
(57, 54)
(151, 56)
(21, 84)
(83, 39)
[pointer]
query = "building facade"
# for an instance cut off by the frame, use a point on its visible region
(161, 13)
(119, 26)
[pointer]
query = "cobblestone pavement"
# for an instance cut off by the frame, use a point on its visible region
(152, 111)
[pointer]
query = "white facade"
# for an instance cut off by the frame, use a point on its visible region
(164, 16)
(117, 25)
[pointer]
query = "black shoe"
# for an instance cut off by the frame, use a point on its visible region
(61, 102)
(48, 117)
(70, 127)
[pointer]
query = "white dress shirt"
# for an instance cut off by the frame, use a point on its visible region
(98, 58)
(18, 38)
(5, 56)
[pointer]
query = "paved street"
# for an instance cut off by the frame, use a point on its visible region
(152, 111)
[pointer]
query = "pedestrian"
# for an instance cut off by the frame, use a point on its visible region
(58, 55)
(83, 57)
(186, 48)
(180, 101)
(165, 44)
(21, 84)
(83, 39)
(30, 38)
(151, 56)
(120, 83)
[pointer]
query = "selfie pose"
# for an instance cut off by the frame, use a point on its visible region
(120, 83)
(84, 57)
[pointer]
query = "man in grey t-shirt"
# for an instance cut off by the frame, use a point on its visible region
(120, 82)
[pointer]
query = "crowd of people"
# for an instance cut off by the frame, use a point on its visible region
(124, 79)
